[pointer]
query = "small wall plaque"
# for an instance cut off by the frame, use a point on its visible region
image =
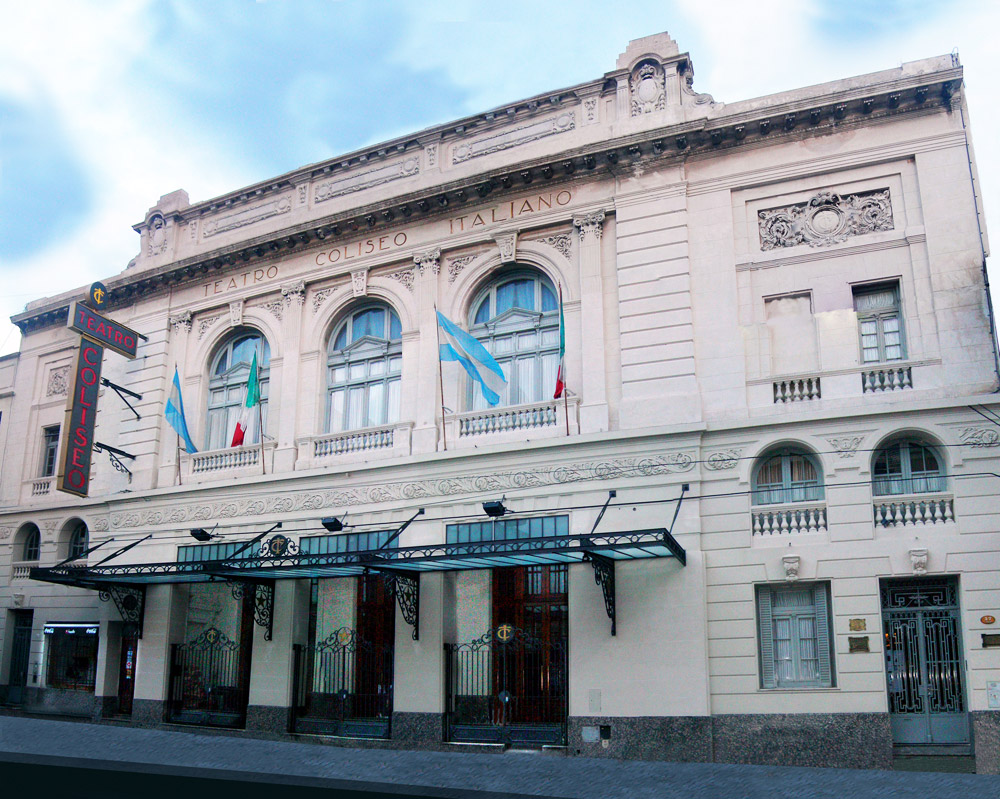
(988, 619)
(993, 695)
(857, 643)
(991, 640)
(858, 625)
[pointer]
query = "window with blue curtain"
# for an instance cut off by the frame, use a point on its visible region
(907, 467)
(364, 368)
(516, 317)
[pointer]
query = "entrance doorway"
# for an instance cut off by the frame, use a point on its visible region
(924, 664)
(20, 655)
(126, 669)
(510, 685)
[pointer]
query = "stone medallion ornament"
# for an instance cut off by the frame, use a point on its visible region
(826, 219)
(648, 93)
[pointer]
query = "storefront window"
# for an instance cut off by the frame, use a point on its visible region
(72, 656)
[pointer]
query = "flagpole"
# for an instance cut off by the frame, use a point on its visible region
(562, 333)
(260, 422)
(437, 334)
(177, 457)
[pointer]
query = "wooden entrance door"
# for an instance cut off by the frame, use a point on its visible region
(126, 669)
(376, 628)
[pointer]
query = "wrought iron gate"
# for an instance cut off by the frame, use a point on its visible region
(20, 656)
(209, 681)
(343, 686)
(924, 665)
(507, 687)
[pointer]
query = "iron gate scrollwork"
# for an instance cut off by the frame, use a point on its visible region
(507, 687)
(208, 683)
(131, 603)
(343, 686)
(263, 602)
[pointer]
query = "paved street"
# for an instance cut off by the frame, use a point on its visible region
(401, 773)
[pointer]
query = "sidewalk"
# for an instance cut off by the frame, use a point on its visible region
(437, 774)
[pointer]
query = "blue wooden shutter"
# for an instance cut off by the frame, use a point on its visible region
(823, 653)
(766, 638)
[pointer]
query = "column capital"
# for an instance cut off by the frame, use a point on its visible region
(428, 259)
(590, 223)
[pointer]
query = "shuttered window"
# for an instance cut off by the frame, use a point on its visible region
(795, 636)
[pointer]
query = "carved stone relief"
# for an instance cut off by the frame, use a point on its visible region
(647, 88)
(57, 382)
(590, 111)
(236, 313)
(404, 276)
(432, 154)
(513, 138)
(181, 321)
(561, 242)
(456, 265)
(791, 565)
(6, 532)
(507, 242)
(590, 225)
(294, 292)
(205, 324)
(366, 180)
(846, 445)
(247, 216)
(100, 524)
(918, 561)
(275, 307)
(156, 235)
(612, 469)
(980, 437)
(359, 282)
(826, 219)
(320, 297)
(722, 460)
(429, 259)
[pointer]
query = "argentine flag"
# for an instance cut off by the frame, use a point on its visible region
(175, 414)
(457, 345)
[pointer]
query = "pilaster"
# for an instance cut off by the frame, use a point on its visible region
(593, 380)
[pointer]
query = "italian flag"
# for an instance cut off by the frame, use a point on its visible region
(252, 401)
(560, 375)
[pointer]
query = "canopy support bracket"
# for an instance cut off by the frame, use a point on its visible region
(405, 587)
(130, 601)
(604, 576)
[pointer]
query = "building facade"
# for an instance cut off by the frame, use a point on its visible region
(761, 526)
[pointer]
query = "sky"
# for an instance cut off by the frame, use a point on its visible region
(105, 105)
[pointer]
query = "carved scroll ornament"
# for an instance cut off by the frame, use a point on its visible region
(826, 219)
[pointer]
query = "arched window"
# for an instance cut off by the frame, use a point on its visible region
(906, 467)
(78, 541)
(516, 317)
(31, 543)
(786, 475)
(227, 388)
(364, 363)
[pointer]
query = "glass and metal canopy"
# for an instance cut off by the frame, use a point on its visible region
(279, 558)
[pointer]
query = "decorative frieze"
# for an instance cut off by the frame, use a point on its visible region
(826, 219)
(181, 322)
(980, 437)
(6, 532)
(590, 225)
(456, 265)
(429, 259)
(723, 460)
(561, 242)
(513, 138)
(846, 445)
(248, 216)
(477, 484)
(100, 524)
(366, 180)
(57, 382)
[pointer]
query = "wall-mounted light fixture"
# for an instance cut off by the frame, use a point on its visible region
(495, 508)
(200, 534)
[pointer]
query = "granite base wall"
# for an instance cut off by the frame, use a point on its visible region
(683, 739)
(60, 702)
(986, 740)
(418, 730)
(832, 740)
(269, 720)
(148, 712)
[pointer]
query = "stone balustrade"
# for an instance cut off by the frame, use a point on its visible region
(501, 420)
(788, 519)
(902, 511)
(888, 379)
(40, 488)
(21, 570)
(371, 438)
(797, 389)
(225, 460)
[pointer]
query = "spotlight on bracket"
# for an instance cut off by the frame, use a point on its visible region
(494, 508)
(333, 524)
(200, 534)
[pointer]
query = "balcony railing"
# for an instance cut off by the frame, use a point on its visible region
(900, 511)
(21, 570)
(501, 420)
(798, 389)
(794, 519)
(41, 487)
(353, 441)
(225, 459)
(889, 379)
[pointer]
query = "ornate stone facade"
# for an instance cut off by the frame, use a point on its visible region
(825, 219)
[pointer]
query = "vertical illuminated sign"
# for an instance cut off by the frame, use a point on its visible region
(81, 414)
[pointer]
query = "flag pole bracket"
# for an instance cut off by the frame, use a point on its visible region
(116, 456)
